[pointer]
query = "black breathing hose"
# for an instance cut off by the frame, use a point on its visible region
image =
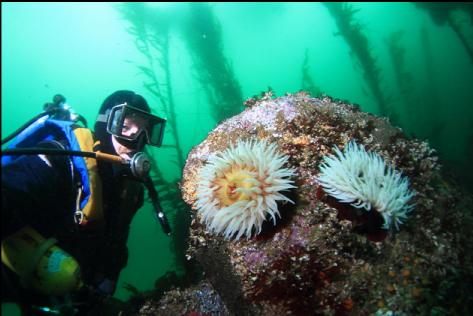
(153, 194)
(46, 151)
(61, 152)
(19, 130)
(51, 112)
(58, 109)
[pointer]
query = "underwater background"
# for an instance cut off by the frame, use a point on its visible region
(196, 63)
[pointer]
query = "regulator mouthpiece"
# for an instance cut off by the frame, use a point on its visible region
(140, 165)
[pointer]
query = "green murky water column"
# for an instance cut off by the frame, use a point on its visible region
(83, 51)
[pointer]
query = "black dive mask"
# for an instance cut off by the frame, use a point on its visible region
(129, 124)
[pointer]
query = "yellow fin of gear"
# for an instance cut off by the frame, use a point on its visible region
(93, 210)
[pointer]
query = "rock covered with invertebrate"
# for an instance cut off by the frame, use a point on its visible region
(276, 230)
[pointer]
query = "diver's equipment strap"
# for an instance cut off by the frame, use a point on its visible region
(103, 117)
(92, 210)
(30, 268)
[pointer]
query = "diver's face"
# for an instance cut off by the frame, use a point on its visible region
(131, 127)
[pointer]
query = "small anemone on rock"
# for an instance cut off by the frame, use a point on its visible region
(239, 187)
(365, 181)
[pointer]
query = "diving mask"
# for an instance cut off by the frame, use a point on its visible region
(129, 123)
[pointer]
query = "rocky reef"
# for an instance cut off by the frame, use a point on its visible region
(322, 256)
(197, 300)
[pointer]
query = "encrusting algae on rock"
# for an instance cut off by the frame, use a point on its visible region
(325, 255)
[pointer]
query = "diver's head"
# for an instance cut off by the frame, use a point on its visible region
(123, 146)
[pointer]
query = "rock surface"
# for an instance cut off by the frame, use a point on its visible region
(324, 257)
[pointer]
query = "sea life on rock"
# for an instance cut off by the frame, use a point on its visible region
(324, 256)
(365, 181)
(239, 187)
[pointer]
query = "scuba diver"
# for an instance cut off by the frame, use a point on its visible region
(68, 198)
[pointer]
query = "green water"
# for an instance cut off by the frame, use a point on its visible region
(85, 52)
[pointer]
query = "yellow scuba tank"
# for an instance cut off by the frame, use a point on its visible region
(40, 264)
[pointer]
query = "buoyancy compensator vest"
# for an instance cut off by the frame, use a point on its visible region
(89, 209)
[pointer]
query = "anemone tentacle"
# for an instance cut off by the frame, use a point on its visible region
(239, 187)
(365, 181)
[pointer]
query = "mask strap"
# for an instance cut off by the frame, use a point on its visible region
(103, 117)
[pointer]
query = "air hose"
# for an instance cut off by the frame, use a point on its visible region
(57, 152)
